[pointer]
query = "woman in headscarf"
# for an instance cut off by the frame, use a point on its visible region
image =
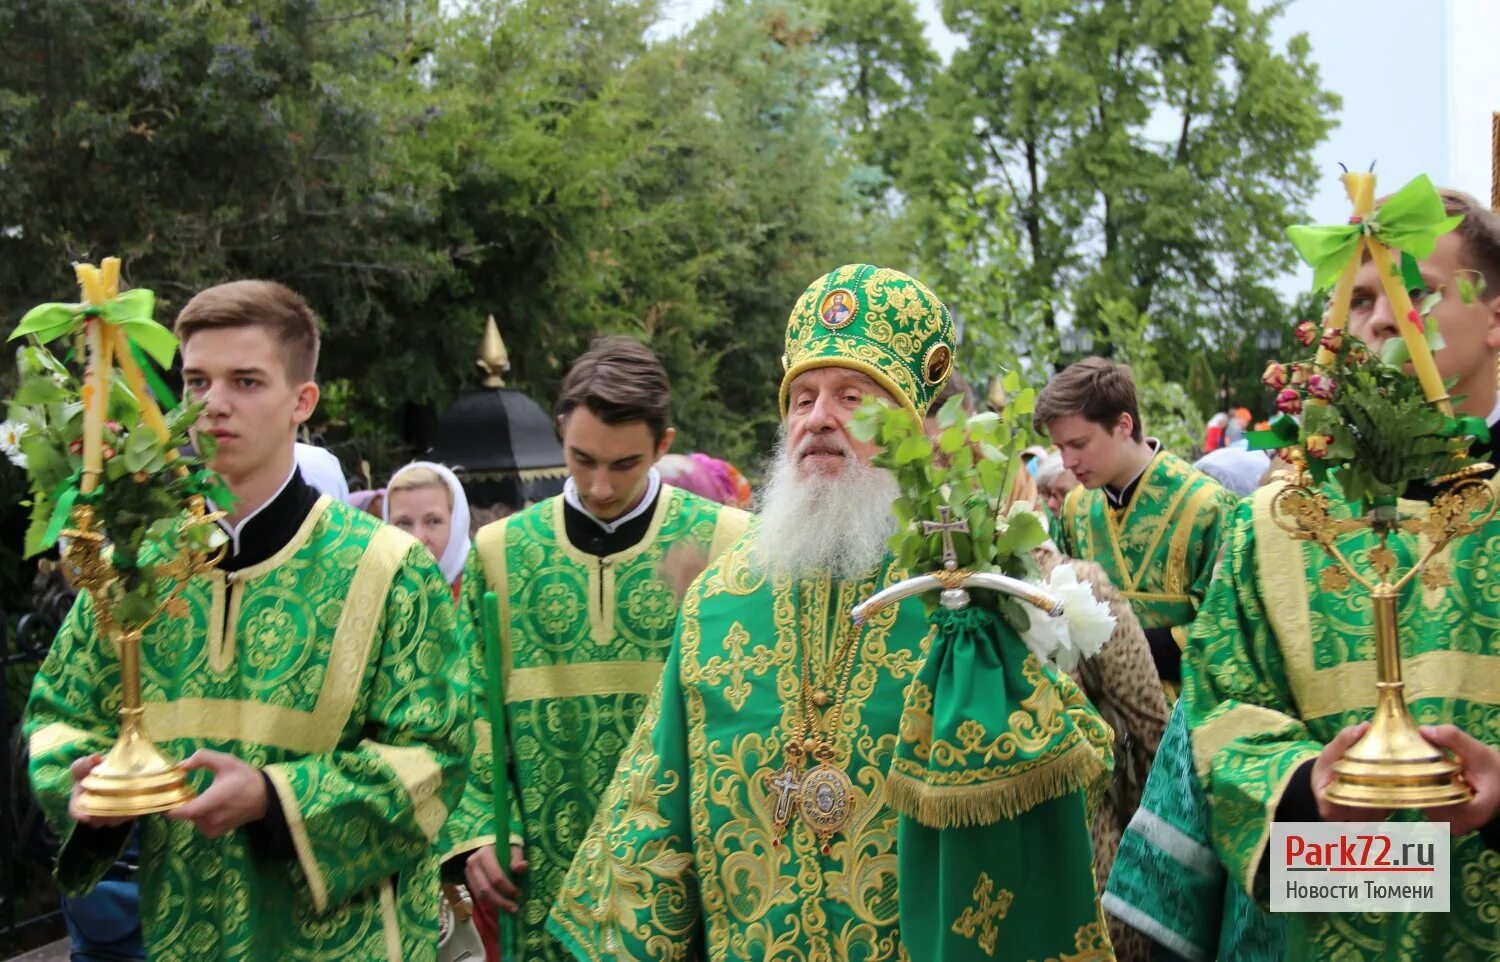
(427, 501)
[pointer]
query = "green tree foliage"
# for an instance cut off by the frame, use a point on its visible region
(413, 165)
(1147, 150)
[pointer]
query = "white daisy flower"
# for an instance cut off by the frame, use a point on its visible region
(11, 433)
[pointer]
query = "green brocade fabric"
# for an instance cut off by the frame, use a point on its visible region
(988, 732)
(682, 861)
(996, 751)
(332, 667)
(1159, 550)
(1277, 665)
(1168, 883)
(583, 640)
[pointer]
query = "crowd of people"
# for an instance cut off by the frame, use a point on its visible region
(608, 753)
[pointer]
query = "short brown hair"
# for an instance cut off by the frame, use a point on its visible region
(1480, 231)
(1095, 387)
(276, 308)
(619, 380)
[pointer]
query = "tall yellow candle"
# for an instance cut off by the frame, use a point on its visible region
(96, 381)
(1422, 362)
(136, 378)
(1361, 191)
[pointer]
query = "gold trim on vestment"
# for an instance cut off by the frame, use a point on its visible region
(489, 543)
(582, 679)
(601, 570)
(309, 732)
(304, 532)
(1116, 527)
(389, 922)
(1281, 566)
(219, 630)
(729, 528)
(909, 788)
(1182, 538)
(1154, 596)
(292, 810)
(1211, 736)
(421, 776)
(56, 734)
(1252, 866)
(469, 845)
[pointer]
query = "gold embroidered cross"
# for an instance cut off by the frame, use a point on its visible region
(988, 910)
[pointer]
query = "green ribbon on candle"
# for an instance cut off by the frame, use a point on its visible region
(1411, 220)
(130, 311)
(63, 498)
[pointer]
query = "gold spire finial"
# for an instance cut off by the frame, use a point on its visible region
(493, 360)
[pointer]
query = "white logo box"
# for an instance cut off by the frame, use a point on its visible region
(1360, 866)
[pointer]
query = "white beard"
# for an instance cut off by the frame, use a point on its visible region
(816, 524)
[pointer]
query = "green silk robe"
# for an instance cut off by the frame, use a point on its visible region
(1159, 550)
(1167, 881)
(1278, 665)
(583, 640)
(681, 862)
(333, 667)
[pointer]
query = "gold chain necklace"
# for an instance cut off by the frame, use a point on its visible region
(825, 795)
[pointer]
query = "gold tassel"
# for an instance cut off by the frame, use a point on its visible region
(955, 807)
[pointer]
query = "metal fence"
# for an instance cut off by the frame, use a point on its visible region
(30, 911)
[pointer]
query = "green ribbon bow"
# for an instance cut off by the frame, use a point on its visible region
(130, 311)
(1282, 433)
(1467, 426)
(1411, 221)
(62, 497)
(159, 387)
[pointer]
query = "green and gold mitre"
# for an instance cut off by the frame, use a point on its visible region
(879, 322)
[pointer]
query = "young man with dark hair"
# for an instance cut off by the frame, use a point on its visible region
(1145, 515)
(589, 584)
(1281, 670)
(316, 677)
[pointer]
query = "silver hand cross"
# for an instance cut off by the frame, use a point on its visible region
(947, 527)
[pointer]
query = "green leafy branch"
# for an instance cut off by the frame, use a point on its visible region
(966, 473)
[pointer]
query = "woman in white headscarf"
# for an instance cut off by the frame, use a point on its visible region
(427, 501)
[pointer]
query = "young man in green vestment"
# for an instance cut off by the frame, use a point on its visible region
(1280, 669)
(589, 584)
(748, 817)
(1146, 516)
(315, 677)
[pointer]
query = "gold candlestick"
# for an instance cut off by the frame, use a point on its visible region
(1392, 766)
(135, 776)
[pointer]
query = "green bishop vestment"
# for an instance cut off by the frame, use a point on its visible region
(1159, 549)
(332, 667)
(684, 861)
(1279, 663)
(583, 640)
